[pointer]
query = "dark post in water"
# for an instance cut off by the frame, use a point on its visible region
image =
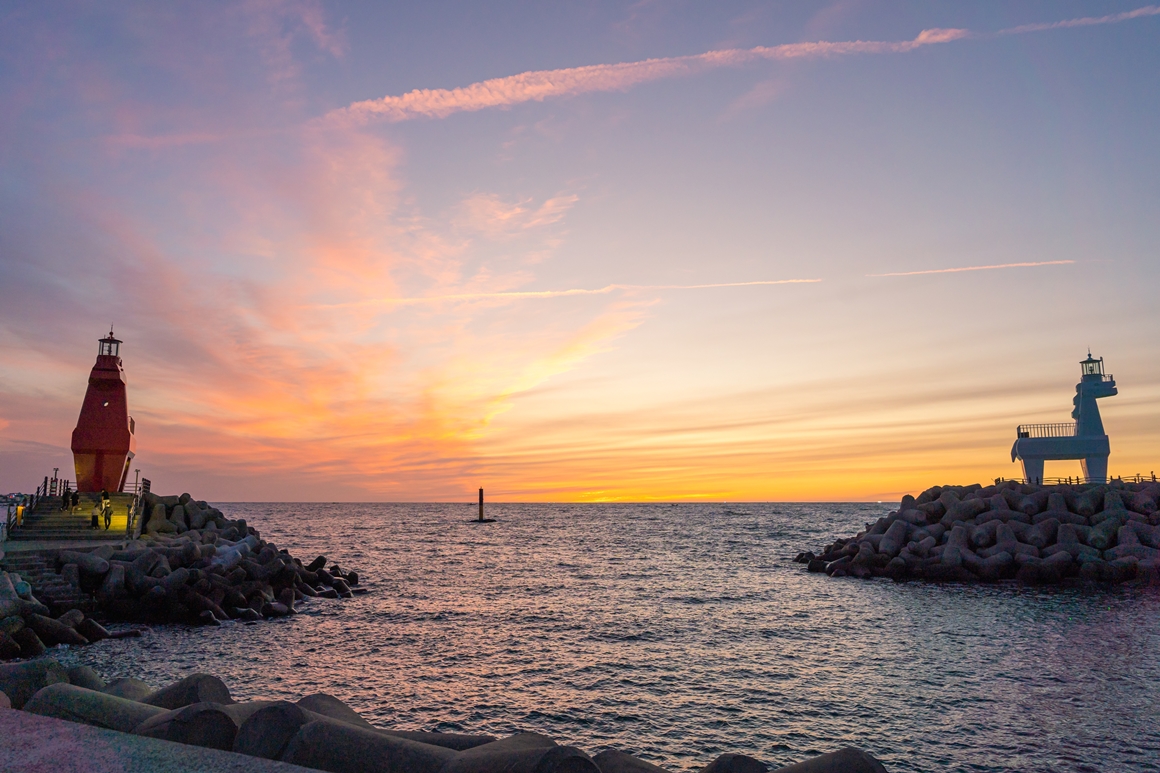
(481, 505)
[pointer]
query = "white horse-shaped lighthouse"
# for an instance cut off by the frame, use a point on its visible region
(1084, 439)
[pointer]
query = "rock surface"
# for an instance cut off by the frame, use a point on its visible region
(1034, 534)
(848, 760)
(89, 707)
(20, 681)
(340, 741)
(192, 566)
(34, 743)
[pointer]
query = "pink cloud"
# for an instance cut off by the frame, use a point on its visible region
(538, 85)
(1085, 21)
(760, 95)
(535, 294)
(274, 24)
(241, 365)
(541, 84)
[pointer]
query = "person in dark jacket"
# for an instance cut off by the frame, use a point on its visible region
(106, 508)
(76, 502)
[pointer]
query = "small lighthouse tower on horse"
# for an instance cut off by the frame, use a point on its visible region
(1084, 439)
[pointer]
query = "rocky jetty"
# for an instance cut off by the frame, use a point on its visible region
(1009, 531)
(320, 732)
(191, 565)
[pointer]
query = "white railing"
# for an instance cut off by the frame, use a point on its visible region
(1066, 429)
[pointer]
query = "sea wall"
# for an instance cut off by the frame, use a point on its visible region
(1008, 531)
(191, 565)
(137, 721)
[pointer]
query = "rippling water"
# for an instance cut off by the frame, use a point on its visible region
(680, 632)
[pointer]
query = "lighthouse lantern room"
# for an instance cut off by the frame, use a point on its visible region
(102, 443)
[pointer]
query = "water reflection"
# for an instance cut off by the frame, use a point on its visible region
(677, 633)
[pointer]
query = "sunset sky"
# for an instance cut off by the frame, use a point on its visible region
(591, 251)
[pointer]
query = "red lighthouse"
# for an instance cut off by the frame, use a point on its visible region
(103, 442)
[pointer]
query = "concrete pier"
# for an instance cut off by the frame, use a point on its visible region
(36, 744)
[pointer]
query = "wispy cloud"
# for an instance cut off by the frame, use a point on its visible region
(1084, 21)
(533, 294)
(488, 213)
(538, 85)
(977, 268)
(275, 26)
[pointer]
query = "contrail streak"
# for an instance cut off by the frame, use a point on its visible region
(533, 294)
(538, 85)
(977, 268)
(1085, 21)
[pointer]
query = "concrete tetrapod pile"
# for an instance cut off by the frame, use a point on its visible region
(1030, 533)
(192, 565)
(27, 629)
(321, 732)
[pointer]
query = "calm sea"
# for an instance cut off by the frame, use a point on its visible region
(679, 632)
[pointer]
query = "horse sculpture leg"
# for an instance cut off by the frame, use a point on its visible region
(1095, 468)
(1032, 470)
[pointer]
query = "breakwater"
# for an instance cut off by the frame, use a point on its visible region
(1008, 531)
(191, 565)
(319, 731)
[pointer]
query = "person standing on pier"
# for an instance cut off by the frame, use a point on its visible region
(106, 508)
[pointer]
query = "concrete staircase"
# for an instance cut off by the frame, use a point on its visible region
(32, 547)
(36, 568)
(48, 522)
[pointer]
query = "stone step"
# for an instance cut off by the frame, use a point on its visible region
(58, 598)
(112, 534)
(58, 525)
(19, 560)
(87, 530)
(38, 568)
(50, 588)
(80, 512)
(85, 503)
(53, 535)
(82, 507)
(27, 572)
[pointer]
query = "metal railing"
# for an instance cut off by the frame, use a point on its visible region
(135, 520)
(52, 488)
(16, 512)
(1081, 480)
(1137, 478)
(55, 487)
(9, 520)
(1065, 429)
(1076, 480)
